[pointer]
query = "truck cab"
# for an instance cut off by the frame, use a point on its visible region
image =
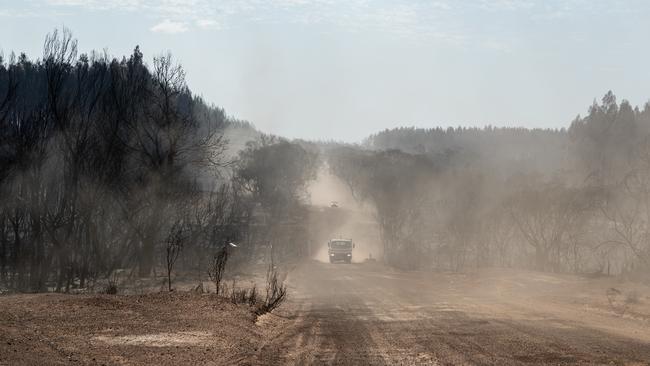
(340, 250)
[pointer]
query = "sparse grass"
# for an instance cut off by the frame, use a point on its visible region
(275, 289)
(244, 296)
(275, 294)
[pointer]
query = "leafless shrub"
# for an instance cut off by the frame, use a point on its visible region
(253, 296)
(616, 301)
(217, 268)
(276, 292)
(111, 287)
(612, 294)
(173, 247)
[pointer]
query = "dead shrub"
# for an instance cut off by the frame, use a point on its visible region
(111, 287)
(616, 300)
(200, 289)
(173, 247)
(276, 292)
(253, 297)
(218, 268)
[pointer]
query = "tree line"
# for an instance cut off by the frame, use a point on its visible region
(570, 200)
(113, 165)
(110, 164)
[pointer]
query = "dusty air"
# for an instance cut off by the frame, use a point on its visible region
(324, 182)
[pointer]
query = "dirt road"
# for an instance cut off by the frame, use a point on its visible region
(354, 314)
(367, 314)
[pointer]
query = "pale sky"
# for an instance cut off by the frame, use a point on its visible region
(329, 69)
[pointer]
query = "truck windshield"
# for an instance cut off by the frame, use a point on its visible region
(341, 244)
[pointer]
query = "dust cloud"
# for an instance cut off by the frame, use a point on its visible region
(337, 214)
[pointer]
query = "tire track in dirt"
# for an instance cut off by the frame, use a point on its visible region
(367, 314)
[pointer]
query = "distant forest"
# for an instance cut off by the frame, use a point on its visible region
(575, 199)
(112, 165)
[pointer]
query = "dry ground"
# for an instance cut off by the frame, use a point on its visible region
(362, 314)
(162, 328)
(345, 314)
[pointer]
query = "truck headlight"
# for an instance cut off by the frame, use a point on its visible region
(331, 254)
(349, 255)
